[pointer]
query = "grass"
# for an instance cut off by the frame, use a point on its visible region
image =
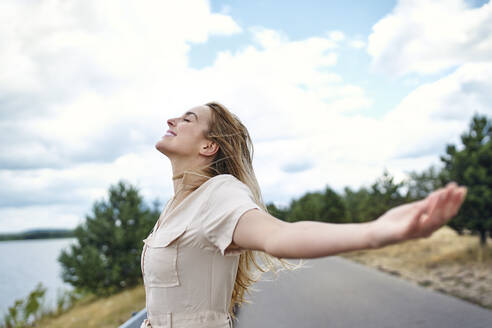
(445, 246)
(108, 312)
(446, 262)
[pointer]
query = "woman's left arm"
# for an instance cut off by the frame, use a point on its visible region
(258, 230)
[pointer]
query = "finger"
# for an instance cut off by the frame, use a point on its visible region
(434, 216)
(436, 198)
(422, 206)
(450, 205)
(451, 202)
(418, 211)
(439, 191)
(440, 197)
(451, 184)
(462, 191)
(445, 208)
(432, 201)
(439, 211)
(419, 208)
(455, 202)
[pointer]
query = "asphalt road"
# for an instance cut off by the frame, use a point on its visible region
(338, 293)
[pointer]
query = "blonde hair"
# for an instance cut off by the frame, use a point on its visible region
(234, 157)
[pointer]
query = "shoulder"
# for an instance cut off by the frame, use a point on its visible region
(225, 186)
(226, 179)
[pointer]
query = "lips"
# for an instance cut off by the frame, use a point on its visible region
(170, 133)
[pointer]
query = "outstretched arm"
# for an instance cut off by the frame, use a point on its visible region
(258, 230)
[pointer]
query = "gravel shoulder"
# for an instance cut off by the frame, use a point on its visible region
(445, 262)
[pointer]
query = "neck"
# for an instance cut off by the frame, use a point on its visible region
(187, 176)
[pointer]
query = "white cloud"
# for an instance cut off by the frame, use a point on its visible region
(53, 44)
(353, 150)
(268, 38)
(71, 70)
(436, 113)
(336, 36)
(95, 103)
(289, 75)
(86, 84)
(428, 37)
(357, 44)
(18, 219)
(99, 133)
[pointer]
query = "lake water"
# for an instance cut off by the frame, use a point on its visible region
(25, 263)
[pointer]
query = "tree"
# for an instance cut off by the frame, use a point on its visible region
(472, 166)
(367, 204)
(106, 257)
(385, 194)
(316, 206)
(419, 185)
(279, 213)
(358, 204)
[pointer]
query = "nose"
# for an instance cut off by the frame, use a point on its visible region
(171, 122)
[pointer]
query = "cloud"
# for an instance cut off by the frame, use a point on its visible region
(94, 114)
(84, 86)
(336, 36)
(428, 37)
(17, 219)
(72, 75)
(357, 44)
(62, 197)
(286, 76)
(88, 111)
(437, 113)
(56, 49)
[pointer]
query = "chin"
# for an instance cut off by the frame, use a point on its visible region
(160, 147)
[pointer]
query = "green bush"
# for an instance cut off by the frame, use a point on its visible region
(316, 206)
(24, 312)
(106, 256)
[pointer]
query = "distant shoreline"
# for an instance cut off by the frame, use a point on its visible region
(38, 234)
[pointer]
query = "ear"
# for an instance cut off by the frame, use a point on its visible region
(209, 148)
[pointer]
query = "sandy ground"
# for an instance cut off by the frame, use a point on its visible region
(445, 262)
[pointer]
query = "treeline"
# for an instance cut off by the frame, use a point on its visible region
(38, 234)
(468, 164)
(350, 206)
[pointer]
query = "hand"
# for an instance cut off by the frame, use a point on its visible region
(420, 218)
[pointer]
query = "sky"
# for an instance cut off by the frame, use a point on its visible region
(332, 92)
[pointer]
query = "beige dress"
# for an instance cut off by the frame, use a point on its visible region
(188, 274)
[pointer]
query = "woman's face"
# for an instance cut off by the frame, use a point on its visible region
(185, 135)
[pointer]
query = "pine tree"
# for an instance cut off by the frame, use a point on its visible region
(472, 166)
(106, 257)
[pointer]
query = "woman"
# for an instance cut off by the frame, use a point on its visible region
(197, 261)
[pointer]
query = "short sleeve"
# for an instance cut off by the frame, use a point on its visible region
(228, 200)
